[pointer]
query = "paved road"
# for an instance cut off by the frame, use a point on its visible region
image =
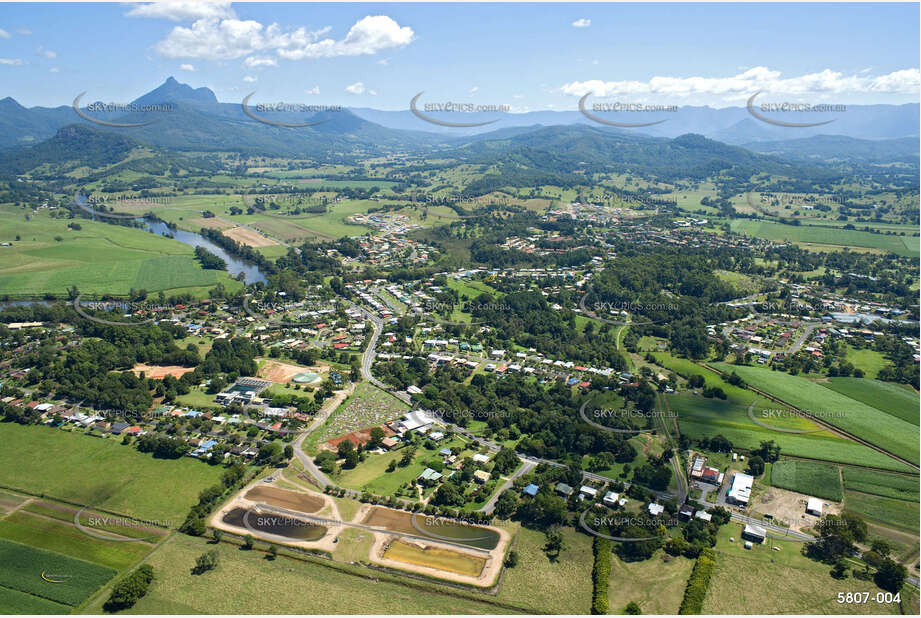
(524, 468)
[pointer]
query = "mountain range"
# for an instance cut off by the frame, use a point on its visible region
(192, 119)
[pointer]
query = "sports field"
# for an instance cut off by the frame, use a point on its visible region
(101, 472)
(884, 430)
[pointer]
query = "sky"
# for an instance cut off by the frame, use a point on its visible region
(527, 56)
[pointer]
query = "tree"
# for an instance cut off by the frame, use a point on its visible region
(377, 436)
(755, 466)
(839, 571)
(217, 534)
(555, 542)
(127, 592)
(205, 562)
(273, 551)
(891, 575)
(289, 451)
(512, 560)
(633, 609)
(248, 541)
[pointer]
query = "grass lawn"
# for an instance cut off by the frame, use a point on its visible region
(245, 582)
(808, 477)
(889, 432)
(656, 585)
(102, 473)
(764, 581)
(870, 361)
(563, 586)
(895, 399)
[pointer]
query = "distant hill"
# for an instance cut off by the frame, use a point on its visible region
(73, 144)
(833, 148)
(574, 148)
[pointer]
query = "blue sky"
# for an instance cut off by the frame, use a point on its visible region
(528, 56)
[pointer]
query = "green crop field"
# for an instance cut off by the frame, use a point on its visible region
(895, 399)
(900, 245)
(884, 430)
(889, 511)
(881, 484)
(101, 473)
(699, 417)
(15, 602)
(98, 259)
(808, 477)
(66, 539)
(21, 568)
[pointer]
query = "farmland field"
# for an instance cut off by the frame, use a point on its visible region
(285, 587)
(889, 432)
(656, 585)
(21, 568)
(881, 484)
(99, 258)
(101, 473)
(764, 581)
(897, 400)
(897, 513)
(15, 602)
(699, 417)
(807, 477)
(66, 539)
(900, 245)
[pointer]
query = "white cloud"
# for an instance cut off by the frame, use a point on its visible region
(383, 62)
(745, 84)
(224, 39)
(582, 23)
(11, 61)
(23, 31)
(187, 67)
(47, 53)
(178, 10)
(249, 78)
(4, 34)
(54, 70)
(473, 90)
(356, 88)
(314, 90)
(256, 61)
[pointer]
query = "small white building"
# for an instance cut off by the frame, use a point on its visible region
(589, 492)
(656, 509)
(814, 507)
(611, 498)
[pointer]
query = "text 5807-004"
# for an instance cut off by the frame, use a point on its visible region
(864, 597)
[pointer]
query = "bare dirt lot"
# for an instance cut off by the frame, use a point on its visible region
(281, 373)
(789, 508)
(158, 372)
(249, 237)
(297, 501)
(358, 438)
